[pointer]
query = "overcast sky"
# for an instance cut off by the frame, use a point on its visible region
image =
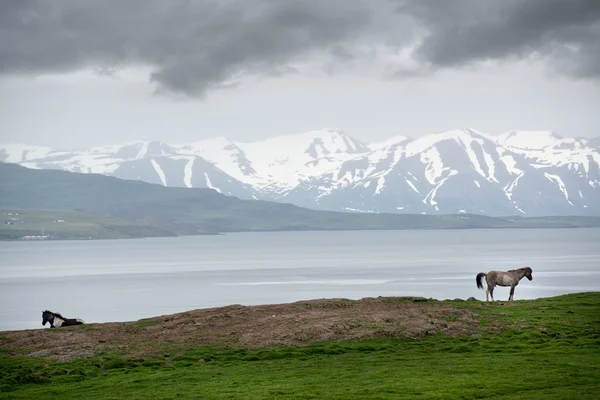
(77, 73)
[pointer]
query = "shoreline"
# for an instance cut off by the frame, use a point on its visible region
(307, 230)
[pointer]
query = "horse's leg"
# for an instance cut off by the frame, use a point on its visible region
(492, 292)
(487, 293)
(512, 293)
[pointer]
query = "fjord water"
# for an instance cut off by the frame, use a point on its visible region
(123, 280)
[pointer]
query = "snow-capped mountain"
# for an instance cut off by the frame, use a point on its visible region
(460, 171)
(278, 164)
(153, 162)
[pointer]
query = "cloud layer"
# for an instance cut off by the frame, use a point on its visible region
(566, 32)
(195, 46)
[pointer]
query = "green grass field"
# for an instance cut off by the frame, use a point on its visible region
(538, 349)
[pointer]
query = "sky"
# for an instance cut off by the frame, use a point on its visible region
(76, 74)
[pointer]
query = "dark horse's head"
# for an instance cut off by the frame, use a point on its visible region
(528, 272)
(47, 316)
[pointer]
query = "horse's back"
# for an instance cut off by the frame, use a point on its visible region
(492, 276)
(73, 321)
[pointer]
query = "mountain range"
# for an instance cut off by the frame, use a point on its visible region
(527, 173)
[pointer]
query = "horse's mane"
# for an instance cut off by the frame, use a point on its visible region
(520, 269)
(56, 314)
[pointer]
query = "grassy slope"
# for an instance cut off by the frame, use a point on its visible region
(76, 225)
(539, 349)
(189, 211)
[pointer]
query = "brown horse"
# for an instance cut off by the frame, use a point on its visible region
(509, 278)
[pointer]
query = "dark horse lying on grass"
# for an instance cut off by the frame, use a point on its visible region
(56, 320)
(509, 278)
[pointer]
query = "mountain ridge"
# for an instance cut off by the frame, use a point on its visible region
(530, 173)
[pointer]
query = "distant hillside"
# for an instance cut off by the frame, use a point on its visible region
(61, 225)
(193, 211)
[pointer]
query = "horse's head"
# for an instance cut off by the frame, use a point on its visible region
(47, 316)
(528, 272)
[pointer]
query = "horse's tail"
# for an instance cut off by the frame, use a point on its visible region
(479, 280)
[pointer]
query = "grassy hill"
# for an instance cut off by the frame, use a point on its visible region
(192, 211)
(374, 348)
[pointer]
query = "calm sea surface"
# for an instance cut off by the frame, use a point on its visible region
(123, 280)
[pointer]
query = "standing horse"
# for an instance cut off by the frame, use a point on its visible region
(509, 278)
(56, 320)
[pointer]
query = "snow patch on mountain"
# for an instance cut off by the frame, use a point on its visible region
(209, 183)
(558, 182)
(512, 185)
(529, 140)
(412, 185)
(187, 172)
(430, 198)
(393, 141)
(159, 171)
(509, 162)
(19, 153)
(380, 185)
(434, 165)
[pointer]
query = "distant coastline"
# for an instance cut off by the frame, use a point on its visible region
(82, 226)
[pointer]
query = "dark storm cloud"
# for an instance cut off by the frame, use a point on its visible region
(463, 31)
(194, 46)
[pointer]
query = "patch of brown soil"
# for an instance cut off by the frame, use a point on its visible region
(253, 326)
(73, 351)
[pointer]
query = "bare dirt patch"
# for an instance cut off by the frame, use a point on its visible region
(72, 352)
(296, 323)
